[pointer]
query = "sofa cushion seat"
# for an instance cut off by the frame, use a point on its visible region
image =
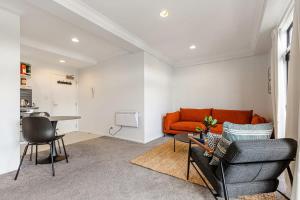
(218, 129)
(187, 126)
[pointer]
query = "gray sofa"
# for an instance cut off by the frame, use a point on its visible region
(248, 167)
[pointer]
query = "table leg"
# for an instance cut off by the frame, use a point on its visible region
(174, 143)
(54, 152)
(56, 157)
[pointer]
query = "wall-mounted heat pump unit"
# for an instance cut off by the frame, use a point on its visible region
(129, 119)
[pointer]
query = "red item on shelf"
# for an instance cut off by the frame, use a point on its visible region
(23, 69)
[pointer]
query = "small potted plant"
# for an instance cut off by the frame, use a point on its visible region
(209, 122)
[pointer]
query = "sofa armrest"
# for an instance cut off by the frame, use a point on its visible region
(169, 119)
(202, 146)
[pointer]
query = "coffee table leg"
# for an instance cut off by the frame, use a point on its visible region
(174, 144)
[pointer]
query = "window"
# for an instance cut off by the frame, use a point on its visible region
(285, 30)
(289, 33)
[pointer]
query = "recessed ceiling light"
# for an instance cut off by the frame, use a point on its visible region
(193, 47)
(62, 61)
(75, 40)
(164, 13)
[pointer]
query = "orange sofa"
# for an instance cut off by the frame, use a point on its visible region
(187, 119)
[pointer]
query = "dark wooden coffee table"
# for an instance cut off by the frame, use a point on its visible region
(182, 137)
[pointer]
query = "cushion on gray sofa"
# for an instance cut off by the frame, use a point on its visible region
(239, 132)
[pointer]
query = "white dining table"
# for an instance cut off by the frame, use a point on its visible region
(62, 118)
(56, 157)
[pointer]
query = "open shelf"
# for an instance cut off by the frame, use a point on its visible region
(27, 76)
(25, 87)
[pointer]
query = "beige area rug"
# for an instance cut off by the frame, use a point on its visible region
(163, 159)
(269, 196)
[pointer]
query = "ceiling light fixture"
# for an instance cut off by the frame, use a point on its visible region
(193, 47)
(164, 13)
(75, 40)
(62, 61)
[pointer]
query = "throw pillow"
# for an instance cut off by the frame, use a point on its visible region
(256, 119)
(212, 141)
(237, 132)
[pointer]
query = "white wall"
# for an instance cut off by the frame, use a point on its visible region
(10, 94)
(157, 101)
(119, 86)
(234, 84)
(53, 98)
(140, 82)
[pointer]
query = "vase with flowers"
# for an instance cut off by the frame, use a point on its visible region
(208, 122)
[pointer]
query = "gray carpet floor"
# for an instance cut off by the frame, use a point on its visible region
(98, 169)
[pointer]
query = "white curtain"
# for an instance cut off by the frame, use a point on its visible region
(278, 83)
(293, 99)
(278, 86)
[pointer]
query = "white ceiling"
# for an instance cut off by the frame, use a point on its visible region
(274, 12)
(107, 28)
(40, 56)
(218, 28)
(47, 38)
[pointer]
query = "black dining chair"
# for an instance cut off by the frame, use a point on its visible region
(41, 114)
(39, 131)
